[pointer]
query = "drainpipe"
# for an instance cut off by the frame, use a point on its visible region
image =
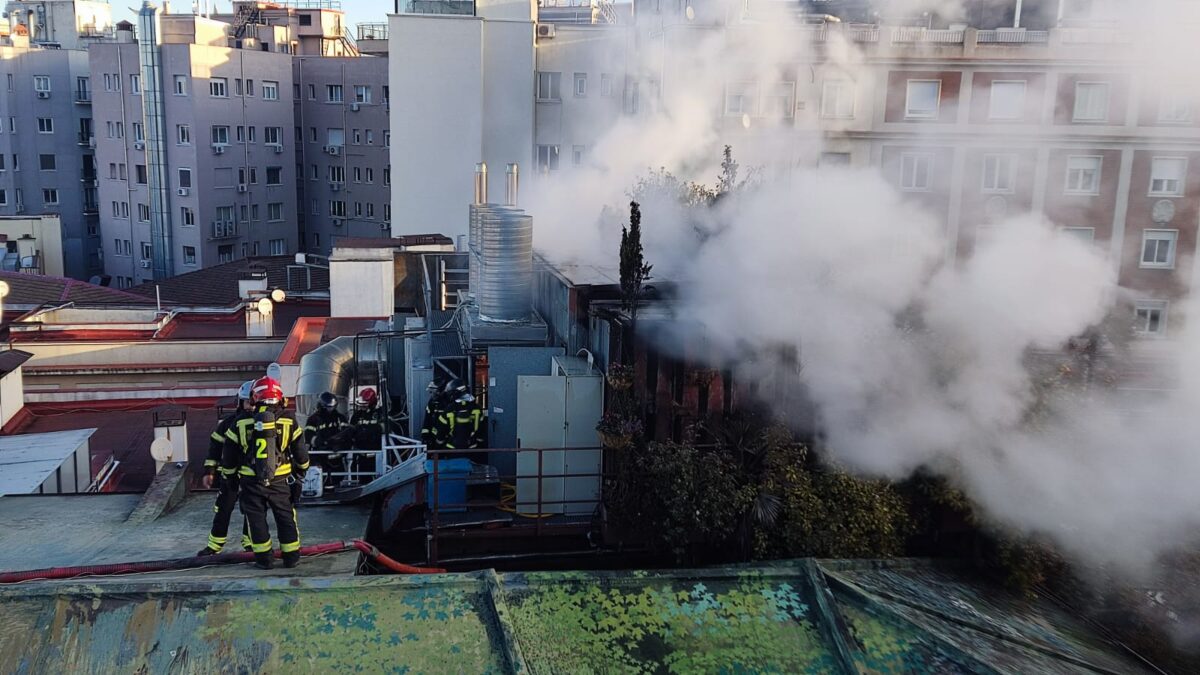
(1017, 16)
(149, 48)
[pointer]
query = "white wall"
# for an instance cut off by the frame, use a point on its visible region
(362, 286)
(12, 395)
(508, 83)
(436, 120)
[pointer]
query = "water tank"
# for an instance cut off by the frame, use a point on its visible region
(506, 264)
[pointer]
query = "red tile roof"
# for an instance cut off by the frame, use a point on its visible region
(33, 290)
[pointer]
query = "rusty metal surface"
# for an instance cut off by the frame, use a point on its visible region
(791, 617)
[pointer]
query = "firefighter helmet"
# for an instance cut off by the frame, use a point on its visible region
(267, 390)
(327, 401)
(368, 397)
(245, 389)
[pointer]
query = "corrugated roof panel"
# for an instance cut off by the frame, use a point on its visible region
(27, 460)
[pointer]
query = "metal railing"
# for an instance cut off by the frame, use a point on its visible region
(360, 467)
(372, 31)
(540, 509)
(1025, 37)
(906, 34)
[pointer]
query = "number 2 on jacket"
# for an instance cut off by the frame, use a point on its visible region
(260, 445)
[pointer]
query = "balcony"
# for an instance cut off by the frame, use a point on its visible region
(1011, 36)
(86, 138)
(83, 96)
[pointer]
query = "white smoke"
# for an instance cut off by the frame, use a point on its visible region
(828, 261)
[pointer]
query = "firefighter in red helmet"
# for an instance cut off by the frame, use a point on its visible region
(272, 458)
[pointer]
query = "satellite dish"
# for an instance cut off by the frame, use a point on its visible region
(274, 371)
(161, 450)
(278, 295)
(746, 121)
(3, 289)
(690, 12)
(265, 307)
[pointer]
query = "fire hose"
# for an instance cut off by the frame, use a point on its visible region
(363, 547)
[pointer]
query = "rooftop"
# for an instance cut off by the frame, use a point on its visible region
(26, 461)
(217, 286)
(406, 241)
(33, 290)
(798, 616)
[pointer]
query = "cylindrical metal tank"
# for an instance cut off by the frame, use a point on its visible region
(506, 265)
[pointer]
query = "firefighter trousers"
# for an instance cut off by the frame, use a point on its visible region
(257, 500)
(227, 498)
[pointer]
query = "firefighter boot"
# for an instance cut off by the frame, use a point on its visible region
(206, 551)
(291, 559)
(264, 561)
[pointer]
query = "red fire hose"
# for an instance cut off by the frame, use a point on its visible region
(204, 561)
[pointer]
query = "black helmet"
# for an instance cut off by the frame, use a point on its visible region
(455, 387)
(327, 401)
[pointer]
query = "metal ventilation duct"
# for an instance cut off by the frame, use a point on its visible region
(506, 265)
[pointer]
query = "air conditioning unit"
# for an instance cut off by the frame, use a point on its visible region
(218, 149)
(91, 141)
(183, 192)
(138, 145)
(241, 187)
(337, 222)
(278, 149)
(355, 107)
(146, 264)
(385, 226)
(545, 30)
(43, 94)
(335, 186)
(334, 150)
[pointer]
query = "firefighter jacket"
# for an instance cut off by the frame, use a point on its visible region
(322, 428)
(461, 428)
(368, 428)
(429, 426)
(268, 445)
(216, 444)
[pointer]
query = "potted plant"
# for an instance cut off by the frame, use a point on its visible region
(617, 431)
(620, 376)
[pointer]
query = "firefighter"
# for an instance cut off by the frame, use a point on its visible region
(272, 456)
(462, 424)
(438, 398)
(225, 479)
(326, 429)
(368, 421)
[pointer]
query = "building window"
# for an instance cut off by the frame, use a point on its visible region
(580, 85)
(915, 170)
(1158, 248)
(335, 137)
(250, 135)
(146, 252)
(3, 197)
(1166, 176)
(1150, 317)
(1083, 175)
(315, 173)
(547, 157)
(47, 162)
(370, 137)
(41, 83)
(1091, 102)
(547, 86)
(189, 255)
(139, 133)
(45, 125)
(370, 211)
(225, 253)
(218, 86)
(358, 210)
(312, 92)
(387, 211)
(605, 84)
(740, 98)
(122, 171)
(185, 178)
(779, 100)
(577, 154)
(249, 87)
(337, 208)
(362, 93)
(183, 134)
(50, 196)
(270, 90)
(237, 86)
(139, 172)
(387, 138)
(135, 84)
(922, 98)
(837, 99)
(337, 173)
(220, 135)
(1086, 235)
(1175, 106)
(357, 135)
(241, 134)
(275, 211)
(370, 175)
(274, 175)
(187, 216)
(181, 85)
(273, 135)
(333, 93)
(998, 172)
(144, 213)
(1007, 100)
(357, 174)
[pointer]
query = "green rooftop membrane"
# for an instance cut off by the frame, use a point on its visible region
(794, 617)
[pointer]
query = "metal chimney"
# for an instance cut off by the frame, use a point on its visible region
(511, 181)
(481, 186)
(506, 265)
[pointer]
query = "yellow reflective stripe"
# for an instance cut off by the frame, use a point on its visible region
(290, 546)
(261, 548)
(217, 436)
(227, 472)
(231, 436)
(245, 471)
(283, 470)
(304, 466)
(297, 434)
(210, 462)
(264, 425)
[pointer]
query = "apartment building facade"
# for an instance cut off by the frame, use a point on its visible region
(976, 124)
(343, 135)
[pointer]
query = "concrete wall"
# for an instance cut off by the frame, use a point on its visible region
(12, 395)
(362, 282)
(125, 353)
